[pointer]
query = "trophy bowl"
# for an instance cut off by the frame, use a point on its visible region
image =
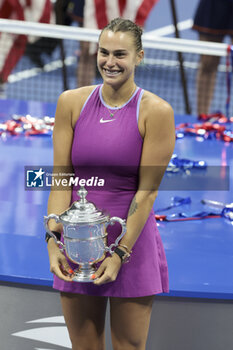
(85, 235)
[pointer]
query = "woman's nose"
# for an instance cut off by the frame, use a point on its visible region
(110, 60)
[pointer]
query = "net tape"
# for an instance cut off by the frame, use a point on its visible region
(92, 35)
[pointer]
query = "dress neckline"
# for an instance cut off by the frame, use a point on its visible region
(114, 108)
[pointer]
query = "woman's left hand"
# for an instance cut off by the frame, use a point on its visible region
(108, 270)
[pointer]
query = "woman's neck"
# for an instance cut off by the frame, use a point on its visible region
(117, 97)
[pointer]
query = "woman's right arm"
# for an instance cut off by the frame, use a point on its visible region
(59, 199)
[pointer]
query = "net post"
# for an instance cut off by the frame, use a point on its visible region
(181, 61)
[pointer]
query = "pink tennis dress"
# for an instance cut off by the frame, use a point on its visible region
(113, 145)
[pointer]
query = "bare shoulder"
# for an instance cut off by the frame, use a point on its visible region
(80, 93)
(159, 126)
(71, 101)
(154, 108)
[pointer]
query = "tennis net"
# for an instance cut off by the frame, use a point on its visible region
(39, 61)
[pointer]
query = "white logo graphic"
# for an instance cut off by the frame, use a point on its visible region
(106, 121)
(53, 335)
(38, 173)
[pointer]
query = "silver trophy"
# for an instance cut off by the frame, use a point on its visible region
(85, 235)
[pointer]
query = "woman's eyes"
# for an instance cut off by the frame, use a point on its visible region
(118, 54)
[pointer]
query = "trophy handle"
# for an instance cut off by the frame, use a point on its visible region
(122, 222)
(46, 220)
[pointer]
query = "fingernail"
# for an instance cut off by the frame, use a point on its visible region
(70, 271)
(93, 277)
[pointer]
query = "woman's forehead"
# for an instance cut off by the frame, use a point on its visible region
(118, 40)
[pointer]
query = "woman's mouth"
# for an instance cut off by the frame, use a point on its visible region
(111, 72)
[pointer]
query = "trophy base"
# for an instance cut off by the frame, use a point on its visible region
(84, 274)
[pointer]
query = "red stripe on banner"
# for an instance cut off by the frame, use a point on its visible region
(144, 10)
(15, 53)
(11, 9)
(122, 4)
(5, 10)
(101, 13)
(45, 16)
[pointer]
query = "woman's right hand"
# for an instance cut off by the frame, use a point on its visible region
(58, 263)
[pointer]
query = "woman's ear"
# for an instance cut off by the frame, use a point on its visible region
(139, 58)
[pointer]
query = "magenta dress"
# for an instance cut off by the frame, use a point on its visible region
(113, 146)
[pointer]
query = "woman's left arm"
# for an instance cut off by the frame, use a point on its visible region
(158, 146)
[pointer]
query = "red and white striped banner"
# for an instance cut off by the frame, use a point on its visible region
(12, 46)
(98, 13)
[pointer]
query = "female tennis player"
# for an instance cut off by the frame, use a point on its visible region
(119, 126)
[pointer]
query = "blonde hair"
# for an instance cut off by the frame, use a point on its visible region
(125, 25)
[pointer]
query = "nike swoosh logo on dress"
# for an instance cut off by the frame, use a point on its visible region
(106, 121)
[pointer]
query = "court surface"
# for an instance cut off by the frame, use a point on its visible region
(199, 252)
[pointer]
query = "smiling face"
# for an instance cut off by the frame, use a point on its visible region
(117, 57)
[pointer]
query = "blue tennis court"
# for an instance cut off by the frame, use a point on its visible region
(199, 252)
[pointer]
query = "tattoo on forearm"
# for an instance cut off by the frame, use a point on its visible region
(133, 207)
